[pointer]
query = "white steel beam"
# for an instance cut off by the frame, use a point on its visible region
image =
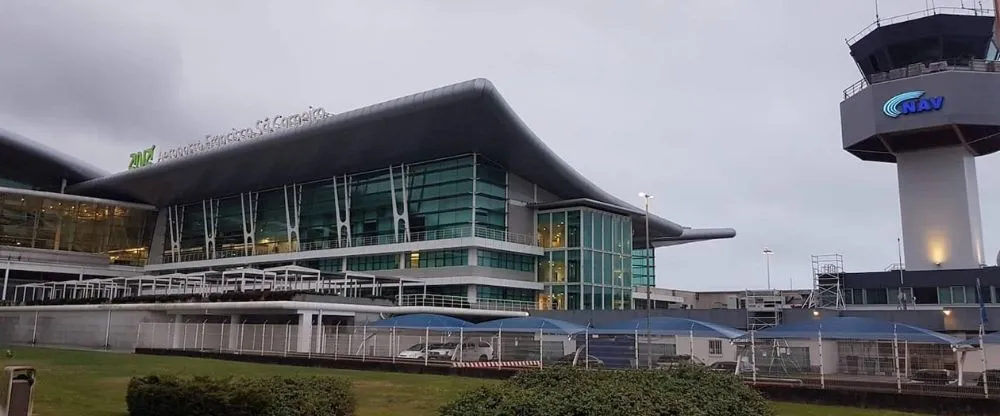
(400, 215)
(343, 222)
(248, 209)
(293, 212)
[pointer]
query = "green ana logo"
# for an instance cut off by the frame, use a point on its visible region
(141, 158)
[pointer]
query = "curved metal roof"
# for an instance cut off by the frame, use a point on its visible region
(666, 325)
(39, 166)
(855, 328)
(463, 118)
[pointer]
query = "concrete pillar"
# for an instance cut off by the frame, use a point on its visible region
(177, 329)
(305, 331)
(234, 332)
(472, 293)
(6, 275)
(318, 345)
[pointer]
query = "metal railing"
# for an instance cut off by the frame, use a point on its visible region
(376, 240)
(976, 65)
(463, 302)
(961, 11)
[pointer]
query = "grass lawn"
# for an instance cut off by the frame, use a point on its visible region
(84, 383)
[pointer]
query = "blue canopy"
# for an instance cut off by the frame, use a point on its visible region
(854, 328)
(988, 339)
(665, 325)
(528, 325)
(421, 321)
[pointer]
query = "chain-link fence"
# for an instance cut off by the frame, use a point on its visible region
(884, 362)
(451, 346)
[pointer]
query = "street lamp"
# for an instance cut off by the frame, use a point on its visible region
(767, 265)
(649, 285)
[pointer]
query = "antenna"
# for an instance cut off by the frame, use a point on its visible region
(877, 21)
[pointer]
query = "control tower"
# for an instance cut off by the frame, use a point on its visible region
(929, 101)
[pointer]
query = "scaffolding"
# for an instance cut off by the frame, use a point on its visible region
(763, 308)
(828, 273)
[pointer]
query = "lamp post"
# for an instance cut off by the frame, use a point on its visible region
(649, 285)
(767, 265)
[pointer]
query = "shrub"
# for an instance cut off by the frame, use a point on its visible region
(269, 396)
(567, 391)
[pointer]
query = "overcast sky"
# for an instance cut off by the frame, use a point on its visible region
(726, 111)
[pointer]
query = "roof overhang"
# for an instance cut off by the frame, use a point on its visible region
(464, 118)
(31, 163)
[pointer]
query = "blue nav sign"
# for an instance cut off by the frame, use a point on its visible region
(911, 102)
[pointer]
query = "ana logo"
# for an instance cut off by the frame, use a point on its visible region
(910, 102)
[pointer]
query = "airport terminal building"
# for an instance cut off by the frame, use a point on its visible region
(446, 193)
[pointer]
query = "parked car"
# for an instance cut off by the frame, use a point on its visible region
(730, 367)
(990, 376)
(467, 351)
(416, 351)
(934, 376)
(579, 359)
(475, 351)
(442, 351)
(668, 361)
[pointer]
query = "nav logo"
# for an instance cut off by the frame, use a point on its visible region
(911, 102)
(141, 158)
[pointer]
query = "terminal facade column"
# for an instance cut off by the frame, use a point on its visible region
(304, 341)
(6, 276)
(177, 330)
(234, 332)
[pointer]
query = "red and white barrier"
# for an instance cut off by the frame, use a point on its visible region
(498, 364)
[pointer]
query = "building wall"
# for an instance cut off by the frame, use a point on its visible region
(76, 329)
(520, 193)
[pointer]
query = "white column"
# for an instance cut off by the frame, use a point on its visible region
(471, 293)
(343, 221)
(6, 275)
(293, 211)
(176, 336)
(210, 218)
(400, 213)
(175, 219)
(234, 331)
(305, 331)
(248, 208)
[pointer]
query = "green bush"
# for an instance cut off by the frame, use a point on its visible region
(270, 396)
(567, 391)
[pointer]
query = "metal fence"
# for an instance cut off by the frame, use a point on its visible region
(884, 363)
(435, 346)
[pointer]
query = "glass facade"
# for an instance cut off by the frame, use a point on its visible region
(10, 183)
(587, 261)
(504, 260)
(443, 199)
(505, 293)
(644, 267)
(441, 258)
(30, 221)
(944, 295)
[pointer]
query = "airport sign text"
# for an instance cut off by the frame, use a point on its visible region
(911, 102)
(265, 126)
